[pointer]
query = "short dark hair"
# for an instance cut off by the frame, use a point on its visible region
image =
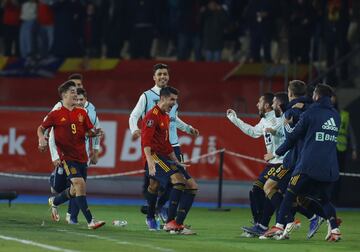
(167, 91)
(324, 90)
(297, 87)
(283, 98)
(65, 87)
(81, 91)
(160, 66)
(268, 98)
(75, 76)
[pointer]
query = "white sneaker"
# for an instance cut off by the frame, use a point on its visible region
(69, 221)
(95, 224)
(291, 226)
(263, 237)
(247, 235)
(187, 231)
(335, 235)
(54, 210)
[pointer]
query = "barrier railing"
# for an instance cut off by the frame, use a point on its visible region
(221, 153)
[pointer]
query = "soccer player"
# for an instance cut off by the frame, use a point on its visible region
(280, 102)
(71, 126)
(92, 150)
(146, 102)
(268, 120)
(162, 163)
(58, 181)
(317, 167)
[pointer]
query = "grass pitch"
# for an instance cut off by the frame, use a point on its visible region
(27, 227)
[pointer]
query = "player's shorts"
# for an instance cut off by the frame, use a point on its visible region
(266, 173)
(279, 173)
(284, 181)
(58, 180)
(180, 157)
(75, 169)
(303, 185)
(165, 168)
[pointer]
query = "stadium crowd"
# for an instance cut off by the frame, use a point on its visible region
(186, 29)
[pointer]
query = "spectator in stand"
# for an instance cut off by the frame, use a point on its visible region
(68, 29)
(116, 26)
(300, 25)
(337, 20)
(92, 34)
(11, 23)
(214, 20)
(167, 29)
(144, 16)
(189, 29)
(317, 28)
(28, 17)
(235, 31)
(45, 19)
(259, 15)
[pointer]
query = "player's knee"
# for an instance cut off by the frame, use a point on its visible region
(79, 185)
(269, 187)
(153, 186)
(177, 178)
(72, 191)
(271, 193)
(191, 184)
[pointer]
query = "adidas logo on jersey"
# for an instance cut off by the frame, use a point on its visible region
(330, 125)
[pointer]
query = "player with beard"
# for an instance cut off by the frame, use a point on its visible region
(268, 120)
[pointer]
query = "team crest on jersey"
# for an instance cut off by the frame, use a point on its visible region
(81, 118)
(73, 170)
(149, 123)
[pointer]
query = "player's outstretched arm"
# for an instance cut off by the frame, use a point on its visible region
(181, 125)
(252, 131)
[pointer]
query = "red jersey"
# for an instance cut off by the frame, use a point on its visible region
(11, 14)
(45, 15)
(155, 132)
(70, 127)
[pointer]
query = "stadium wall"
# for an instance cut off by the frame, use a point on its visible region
(205, 87)
(119, 153)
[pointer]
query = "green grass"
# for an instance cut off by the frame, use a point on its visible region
(217, 231)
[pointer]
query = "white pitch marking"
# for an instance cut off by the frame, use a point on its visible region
(118, 241)
(36, 244)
